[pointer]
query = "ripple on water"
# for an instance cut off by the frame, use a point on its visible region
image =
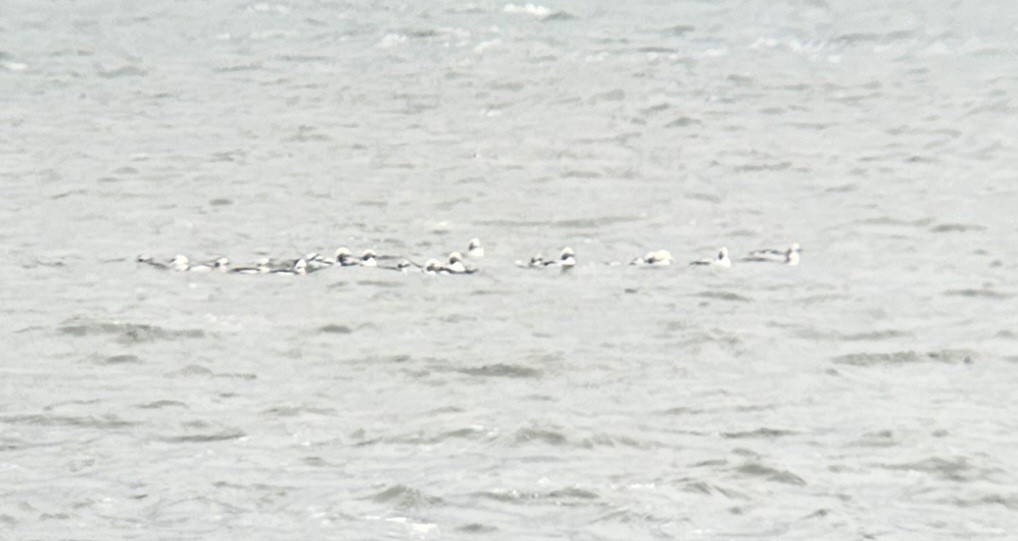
(956, 228)
(335, 329)
(220, 434)
(107, 421)
(757, 469)
(766, 433)
(473, 527)
(562, 496)
(723, 296)
(711, 489)
(500, 370)
(950, 469)
(404, 497)
(126, 332)
(117, 360)
(160, 404)
(978, 294)
(950, 356)
(538, 435)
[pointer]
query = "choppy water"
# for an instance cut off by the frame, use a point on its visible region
(864, 394)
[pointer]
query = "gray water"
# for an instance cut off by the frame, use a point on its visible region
(865, 394)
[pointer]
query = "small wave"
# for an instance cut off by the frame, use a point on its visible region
(605, 440)
(723, 296)
(978, 293)
(858, 38)
(252, 66)
(682, 122)
(516, 496)
(107, 421)
(573, 493)
(950, 469)
(191, 370)
(221, 435)
(701, 487)
(679, 30)
(768, 433)
(118, 359)
(501, 371)
(881, 438)
(159, 404)
(756, 469)
(885, 220)
(681, 410)
(121, 71)
(476, 527)
(754, 167)
(550, 437)
(957, 228)
(1008, 501)
(332, 328)
(404, 497)
(126, 332)
(294, 411)
(873, 336)
(906, 357)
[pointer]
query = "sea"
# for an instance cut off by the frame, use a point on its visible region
(866, 393)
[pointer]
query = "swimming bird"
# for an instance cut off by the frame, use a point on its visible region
(148, 260)
(566, 260)
(456, 266)
(299, 267)
(317, 261)
(432, 266)
(720, 261)
(180, 263)
(345, 259)
(788, 256)
(658, 258)
(405, 266)
(261, 267)
(369, 258)
(475, 250)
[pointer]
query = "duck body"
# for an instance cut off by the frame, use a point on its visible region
(722, 260)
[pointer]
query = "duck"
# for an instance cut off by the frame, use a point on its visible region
(345, 258)
(149, 260)
(405, 266)
(317, 261)
(657, 259)
(180, 263)
(566, 260)
(369, 258)
(432, 266)
(788, 256)
(261, 267)
(721, 260)
(299, 267)
(474, 249)
(456, 266)
(222, 264)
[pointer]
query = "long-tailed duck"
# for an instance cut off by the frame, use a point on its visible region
(721, 260)
(788, 256)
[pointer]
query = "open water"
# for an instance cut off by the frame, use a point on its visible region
(866, 394)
